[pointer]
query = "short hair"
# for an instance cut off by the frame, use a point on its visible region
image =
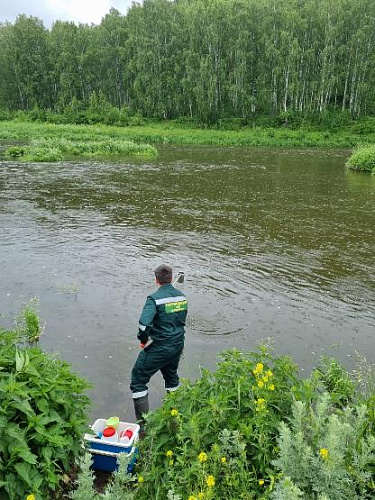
(163, 274)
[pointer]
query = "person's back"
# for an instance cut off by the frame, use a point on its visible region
(161, 332)
(171, 310)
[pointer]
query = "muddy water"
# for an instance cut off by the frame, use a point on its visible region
(274, 243)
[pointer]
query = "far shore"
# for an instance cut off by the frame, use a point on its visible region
(169, 132)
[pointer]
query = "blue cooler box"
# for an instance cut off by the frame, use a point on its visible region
(105, 452)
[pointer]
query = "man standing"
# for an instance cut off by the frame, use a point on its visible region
(162, 334)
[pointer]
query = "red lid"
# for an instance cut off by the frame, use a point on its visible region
(109, 432)
(126, 433)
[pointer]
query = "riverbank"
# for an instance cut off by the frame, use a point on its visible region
(253, 427)
(156, 133)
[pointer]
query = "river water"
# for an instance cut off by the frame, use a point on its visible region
(273, 243)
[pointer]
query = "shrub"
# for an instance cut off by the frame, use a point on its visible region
(44, 154)
(328, 454)
(336, 381)
(5, 114)
(365, 126)
(255, 429)
(42, 417)
(115, 490)
(221, 429)
(37, 114)
(15, 151)
(362, 160)
(136, 120)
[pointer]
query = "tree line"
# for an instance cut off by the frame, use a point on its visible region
(199, 59)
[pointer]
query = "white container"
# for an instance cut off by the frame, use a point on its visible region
(105, 453)
(96, 442)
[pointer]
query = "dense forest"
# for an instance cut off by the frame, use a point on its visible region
(200, 59)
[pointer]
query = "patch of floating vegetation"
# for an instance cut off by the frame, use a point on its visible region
(57, 149)
(362, 160)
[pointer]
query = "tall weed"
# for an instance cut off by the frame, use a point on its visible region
(42, 417)
(28, 323)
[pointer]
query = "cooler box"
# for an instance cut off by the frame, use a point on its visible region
(105, 452)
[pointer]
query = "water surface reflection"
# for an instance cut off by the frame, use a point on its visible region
(273, 243)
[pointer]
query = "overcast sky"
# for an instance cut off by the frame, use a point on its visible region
(84, 11)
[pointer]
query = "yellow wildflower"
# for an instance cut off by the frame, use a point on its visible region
(202, 457)
(171, 462)
(269, 374)
(169, 453)
(223, 460)
(201, 494)
(265, 379)
(141, 479)
(258, 368)
(260, 384)
(261, 482)
(271, 387)
(30, 497)
(260, 404)
(174, 412)
(192, 497)
(324, 453)
(210, 481)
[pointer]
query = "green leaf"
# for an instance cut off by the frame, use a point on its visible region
(27, 360)
(15, 433)
(24, 407)
(46, 453)
(51, 418)
(20, 361)
(28, 456)
(12, 486)
(24, 469)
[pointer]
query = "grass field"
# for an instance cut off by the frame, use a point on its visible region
(174, 133)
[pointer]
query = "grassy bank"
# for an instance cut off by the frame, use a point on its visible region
(362, 160)
(179, 134)
(252, 429)
(255, 429)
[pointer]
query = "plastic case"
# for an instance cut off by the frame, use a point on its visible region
(105, 453)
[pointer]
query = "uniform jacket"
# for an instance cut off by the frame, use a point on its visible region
(163, 316)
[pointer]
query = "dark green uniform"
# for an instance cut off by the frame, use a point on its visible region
(163, 321)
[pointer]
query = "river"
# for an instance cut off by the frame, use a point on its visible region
(274, 243)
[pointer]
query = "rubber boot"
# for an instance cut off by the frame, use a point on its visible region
(140, 407)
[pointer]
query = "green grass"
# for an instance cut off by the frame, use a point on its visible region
(54, 148)
(362, 160)
(179, 134)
